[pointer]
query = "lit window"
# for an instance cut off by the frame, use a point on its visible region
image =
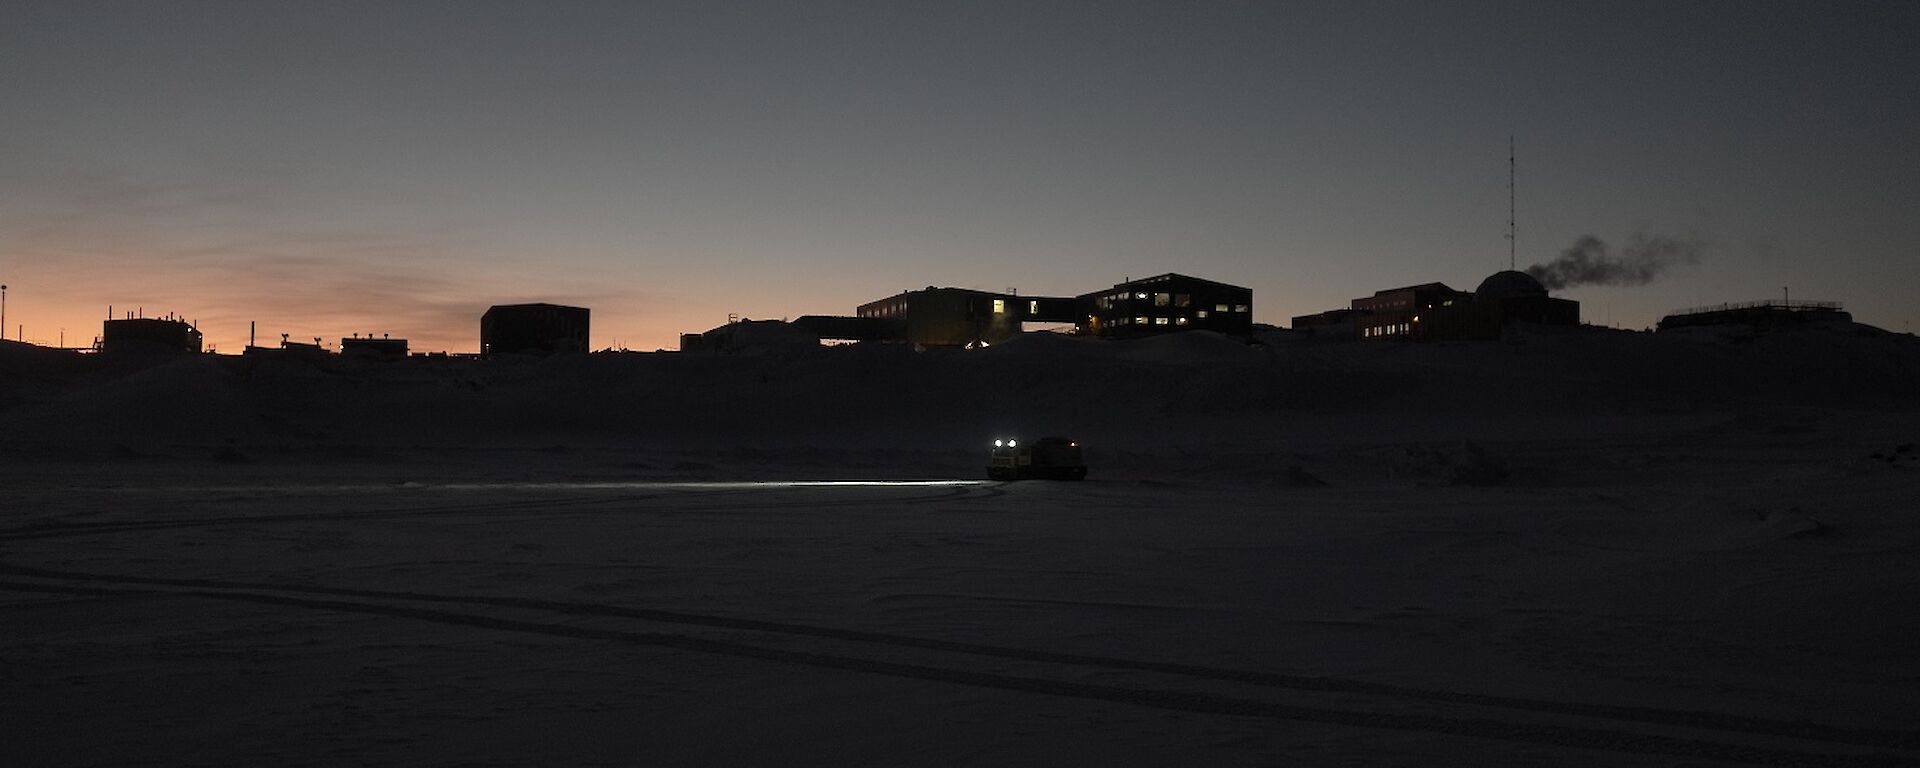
(1183, 300)
(1159, 321)
(1033, 307)
(1139, 321)
(999, 306)
(1239, 307)
(1179, 321)
(1219, 307)
(1201, 313)
(1139, 295)
(1162, 299)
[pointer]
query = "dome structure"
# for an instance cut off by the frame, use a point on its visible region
(1509, 284)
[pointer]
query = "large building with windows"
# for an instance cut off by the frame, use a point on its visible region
(959, 317)
(1397, 311)
(1163, 304)
(1435, 312)
(963, 317)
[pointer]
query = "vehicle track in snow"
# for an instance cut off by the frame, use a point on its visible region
(409, 604)
(1578, 737)
(1882, 738)
(56, 529)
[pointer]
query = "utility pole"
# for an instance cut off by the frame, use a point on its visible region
(3, 313)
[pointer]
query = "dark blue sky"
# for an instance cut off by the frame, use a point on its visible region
(331, 168)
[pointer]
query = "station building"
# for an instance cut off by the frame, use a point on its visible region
(373, 349)
(150, 333)
(959, 317)
(1398, 311)
(1759, 315)
(935, 317)
(533, 329)
(1331, 324)
(1435, 312)
(1164, 304)
(290, 350)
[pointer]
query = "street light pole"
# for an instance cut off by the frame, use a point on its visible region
(3, 313)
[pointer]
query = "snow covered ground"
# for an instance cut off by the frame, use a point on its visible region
(1595, 549)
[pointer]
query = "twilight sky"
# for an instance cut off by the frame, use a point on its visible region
(328, 168)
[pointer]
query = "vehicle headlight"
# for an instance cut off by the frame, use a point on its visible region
(1012, 443)
(997, 443)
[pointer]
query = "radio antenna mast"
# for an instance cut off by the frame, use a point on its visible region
(1511, 231)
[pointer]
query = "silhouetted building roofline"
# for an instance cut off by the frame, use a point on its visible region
(1421, 287)
(1769, 312)
(536, 328)
(151, 332)
(372, 347)
(1169, 277)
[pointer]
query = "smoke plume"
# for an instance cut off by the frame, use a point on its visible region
(1642, 261)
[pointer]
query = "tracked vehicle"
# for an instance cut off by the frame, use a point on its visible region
(1052, 458)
